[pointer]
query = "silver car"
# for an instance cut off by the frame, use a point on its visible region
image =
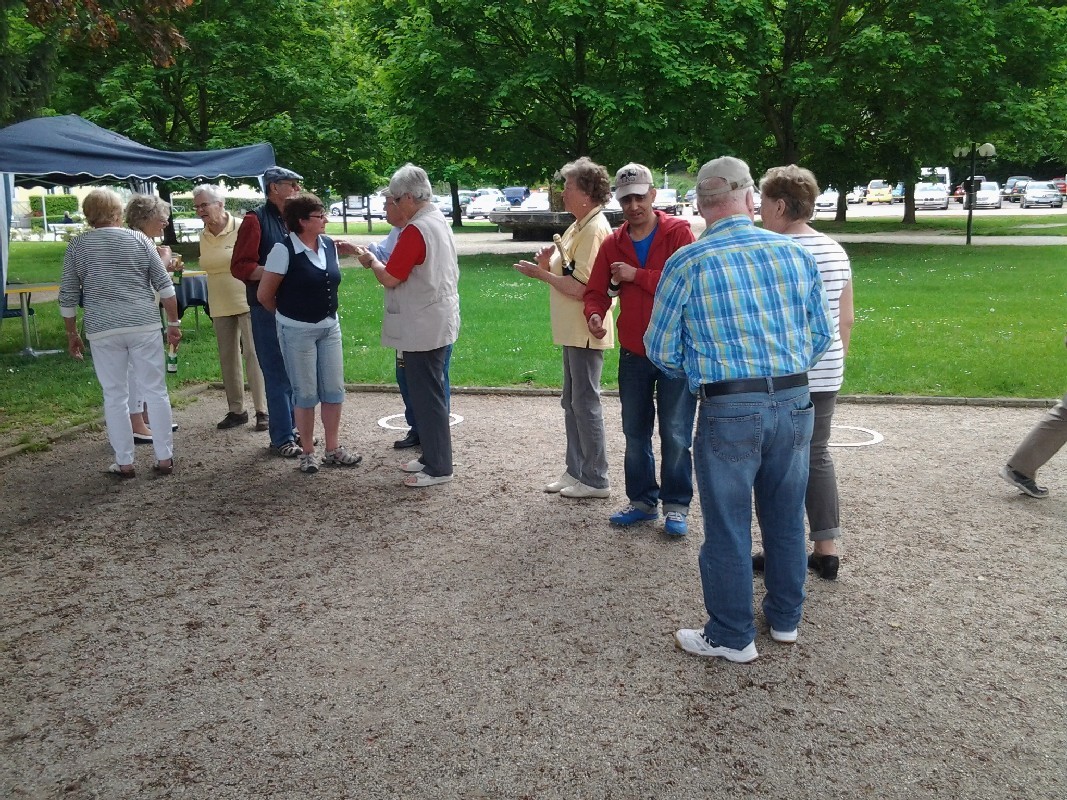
(1041, 193)
(931, 195)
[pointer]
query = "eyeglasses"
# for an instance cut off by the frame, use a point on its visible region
(319, 216)
(199, 206)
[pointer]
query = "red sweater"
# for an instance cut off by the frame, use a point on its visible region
(635, 297)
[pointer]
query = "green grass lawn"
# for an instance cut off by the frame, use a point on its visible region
(931, 320)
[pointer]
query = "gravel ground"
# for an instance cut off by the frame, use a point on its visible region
(241, 630)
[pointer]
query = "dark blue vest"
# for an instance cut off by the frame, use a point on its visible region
(272, 229)
(307, 293)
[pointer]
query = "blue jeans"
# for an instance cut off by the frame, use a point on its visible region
(641, 385)
(753, 442)
(314, 363)
(275, 378)
(402, 382)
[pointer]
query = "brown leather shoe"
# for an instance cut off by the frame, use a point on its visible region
(262, 421)
(232, 420)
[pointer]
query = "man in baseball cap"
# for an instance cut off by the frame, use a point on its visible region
(630, 262)
(260, 230)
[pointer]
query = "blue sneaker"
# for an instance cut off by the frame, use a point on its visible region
(632, 514)
(675, 524)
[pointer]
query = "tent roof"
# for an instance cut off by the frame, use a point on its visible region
(70, 150)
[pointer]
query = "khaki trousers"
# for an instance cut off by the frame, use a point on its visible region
(234, 336)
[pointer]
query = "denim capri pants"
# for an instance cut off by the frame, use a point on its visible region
(314, 363)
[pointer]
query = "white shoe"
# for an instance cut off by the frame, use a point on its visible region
(582, 491)
(412, 466)
(564, 480)
(694, 642)
(786, 637)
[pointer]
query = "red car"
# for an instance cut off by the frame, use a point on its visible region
(1061, 184)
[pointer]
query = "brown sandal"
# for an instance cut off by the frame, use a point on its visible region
(122, 473)
(164, 469)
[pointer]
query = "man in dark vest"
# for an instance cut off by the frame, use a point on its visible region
(260, 230)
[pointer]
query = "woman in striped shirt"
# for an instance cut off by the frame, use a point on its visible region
(788, 202)
(114, 274)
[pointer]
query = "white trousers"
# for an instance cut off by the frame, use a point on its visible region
(115, 358)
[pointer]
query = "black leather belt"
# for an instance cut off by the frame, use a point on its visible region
(754, 385)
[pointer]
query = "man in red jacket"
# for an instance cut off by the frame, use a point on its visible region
(629, 265)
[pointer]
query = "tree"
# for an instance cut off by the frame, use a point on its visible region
(33, 32)
(250, 71)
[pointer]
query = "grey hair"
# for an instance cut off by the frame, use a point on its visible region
(143, 207)
(214, 192)
(412, 180)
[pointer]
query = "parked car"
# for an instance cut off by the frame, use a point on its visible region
(444, 202)
(537, 201)
(827, 201)
(898, 192)
(757, 201)
(931, 195)
(667, 201)
(1041, 193)
(1008, 192)
(857, 194)
(878, 191)
(691, 199)
(961, 190)
(516, 194)
(988, 195)
(465, 197)
(1061, 184)
(481, 205)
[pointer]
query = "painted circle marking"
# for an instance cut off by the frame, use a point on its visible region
(876, 437)
(389, 422)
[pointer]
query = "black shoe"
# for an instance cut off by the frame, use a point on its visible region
(1022, 483)
(825, 566)
(262, 421)
(232, 420)
(759, 562)
(140, 438)
(411, 440)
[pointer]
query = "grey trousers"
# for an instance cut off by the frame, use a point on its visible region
(427, 390)
(233, 335)
(824, 514)
(583, 416)
(1043, 442)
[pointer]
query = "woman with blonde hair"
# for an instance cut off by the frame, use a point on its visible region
(114, 273)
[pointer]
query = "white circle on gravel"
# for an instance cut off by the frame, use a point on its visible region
(389, 423)
(876, 437)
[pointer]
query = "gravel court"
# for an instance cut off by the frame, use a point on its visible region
(242, 630)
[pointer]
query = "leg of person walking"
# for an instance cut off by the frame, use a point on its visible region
(637, 388)
(228, 342)
(1046, 439)
(111, 362)
(821, 499)
(253, 373)
(676, 408)
(585, 366)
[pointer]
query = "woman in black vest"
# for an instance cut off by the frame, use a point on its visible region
(300, 281)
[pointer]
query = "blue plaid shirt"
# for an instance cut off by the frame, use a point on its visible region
(740, 302)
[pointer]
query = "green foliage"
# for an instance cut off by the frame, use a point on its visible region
(55, 204)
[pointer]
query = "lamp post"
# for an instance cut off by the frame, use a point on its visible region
(971, 191)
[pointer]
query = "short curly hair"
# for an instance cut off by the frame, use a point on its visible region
(796, 185)
(589, 177)
(144, 208)
(298, 208)
(102, 207)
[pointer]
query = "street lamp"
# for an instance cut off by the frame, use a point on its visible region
(971, 190)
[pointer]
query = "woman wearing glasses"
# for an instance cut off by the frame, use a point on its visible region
(299, 283)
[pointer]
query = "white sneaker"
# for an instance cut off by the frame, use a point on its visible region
(582, 491)
(411, 466)
(787, 637)
(694, 642)
(564, 480)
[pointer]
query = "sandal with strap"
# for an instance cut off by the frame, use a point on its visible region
(288, 450)
(340, 458)
(164, 469)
